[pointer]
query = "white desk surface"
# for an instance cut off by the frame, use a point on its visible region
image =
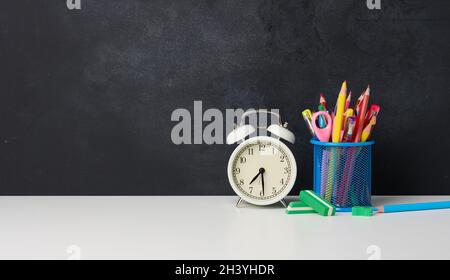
(211, 227)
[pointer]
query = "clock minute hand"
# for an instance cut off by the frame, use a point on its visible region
(262, 178)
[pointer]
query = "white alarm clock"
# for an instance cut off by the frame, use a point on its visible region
(262, 169)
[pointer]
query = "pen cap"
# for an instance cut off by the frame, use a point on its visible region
(307, 114)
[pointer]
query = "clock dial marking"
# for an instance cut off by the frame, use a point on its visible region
(271, 165)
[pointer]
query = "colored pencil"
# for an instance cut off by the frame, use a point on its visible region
(414, 207)
(340, 106)
(361, 116)
(324, 172)
(368, 129)
(347, 102)
(358, 102)
(323, 101)
(331, 175)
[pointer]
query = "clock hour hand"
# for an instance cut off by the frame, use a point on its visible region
(254, 178)
(261, 171)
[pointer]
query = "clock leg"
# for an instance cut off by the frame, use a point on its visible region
(283, 202)
(239, 202)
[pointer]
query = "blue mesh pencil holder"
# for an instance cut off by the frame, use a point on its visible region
(343, 172)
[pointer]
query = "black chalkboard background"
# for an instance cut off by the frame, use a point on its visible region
(86, 95)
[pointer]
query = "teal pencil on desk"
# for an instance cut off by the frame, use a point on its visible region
(414, 207)
(395, 208)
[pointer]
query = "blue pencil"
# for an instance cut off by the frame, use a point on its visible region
(414, 207)
(406, 207)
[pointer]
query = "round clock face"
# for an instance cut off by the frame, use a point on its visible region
(262, 170)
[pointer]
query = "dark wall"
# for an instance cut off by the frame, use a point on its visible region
(86, 95)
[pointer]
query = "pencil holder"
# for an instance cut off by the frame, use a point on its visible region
(343, 172)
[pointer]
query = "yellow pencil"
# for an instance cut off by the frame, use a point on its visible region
(337, 123)
(368, 129)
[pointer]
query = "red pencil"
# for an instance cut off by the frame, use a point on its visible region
(347, 102)
(362, 115)
(358, 102)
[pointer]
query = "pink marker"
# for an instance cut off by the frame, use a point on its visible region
(323, 134)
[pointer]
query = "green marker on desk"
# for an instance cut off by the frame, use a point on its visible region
(298, 207)
(315, 201)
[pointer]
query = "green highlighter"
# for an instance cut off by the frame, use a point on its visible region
(298, 207)
(316, 202)
(362, 211)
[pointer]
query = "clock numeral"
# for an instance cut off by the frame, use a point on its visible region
(262, 147)
(250, 151)
(286, 170)
(274, 190)
(282, 181)
(261, 193)
(251, 189)
(241, 182)
(282, 158)
(236, 170)
(243, 159)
